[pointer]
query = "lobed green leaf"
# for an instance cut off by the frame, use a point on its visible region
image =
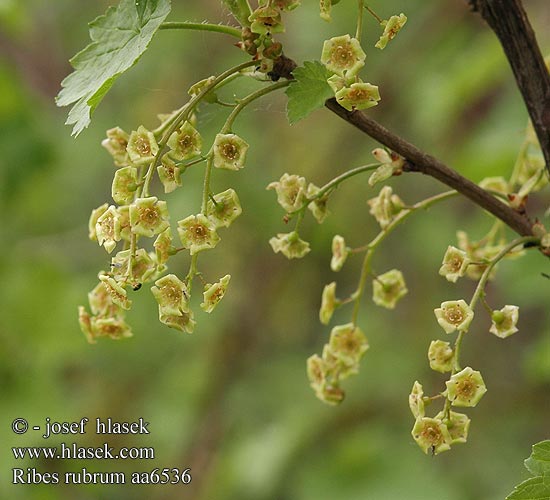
(119, 38)
(308, 91)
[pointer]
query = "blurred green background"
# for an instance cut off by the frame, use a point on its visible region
(232, 400)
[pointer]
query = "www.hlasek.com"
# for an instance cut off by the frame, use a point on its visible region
(71, 451)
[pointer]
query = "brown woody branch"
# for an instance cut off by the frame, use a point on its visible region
(508, 20)
(418, 161)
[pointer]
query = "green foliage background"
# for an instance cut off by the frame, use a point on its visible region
(232, 401)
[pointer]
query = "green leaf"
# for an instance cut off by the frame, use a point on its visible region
(536, 488)
(539, 461)
(308, 92)
(119, 38)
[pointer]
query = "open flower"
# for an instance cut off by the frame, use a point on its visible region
(385, 206)
(343, 55)
(116, 292)
(454, 315)
(116, 143)
(183, 322)
(455, 263)
(223, 208)
(148, 216)
(197, 233)
(143, 266)
(358, 95)
(291, 191)
(388, 288)
(163, 246)
(290, 245)
(329, 303)
(316, 372)
(229, 151)
(171, 295)
(504, 321)
(339, 253)
(440, 355)
(465, 388)
(142, 146)
(107, 228)
(124, 185)
(113, 327)
(96, 214)
(318, 207)
(458, 425)
(431, 434)
(185, 143)
(214, 293)
(169, 174)
(266, 20)
(348, 343)
(391, 27)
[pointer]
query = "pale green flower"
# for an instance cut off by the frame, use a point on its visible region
(504, 321)
(96, 214)
(388, 288)
(184, 322)
(142, 146)
(318, 206)
(416, 401)
(185, 142)
(116, 143)
(163, 246)
(291, 191)
(348, 343)
(455, 263)
(107, 228)
(169, 174)
(343, 55)
(229, 151)
(465, 388)
(117, 293)
(391, 27)
(432, 435)
(148, 216)
(440, 355)
(124, 185)
(385, 206)
(358, 95)
(454, 315)
(197, 233)
(214, 293)
(458, 425)
(339, 253)
(290, 245)
(328, 303)
(223, 208)
(171, 295)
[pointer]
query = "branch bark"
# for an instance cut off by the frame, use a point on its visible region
(419, 161)
(508, 20)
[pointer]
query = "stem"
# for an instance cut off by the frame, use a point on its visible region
(206, 184)
(219, 28)
(184, 115)
(359, 31)
(373, 245)
(247, 100)
(334, 183)
(374, 14)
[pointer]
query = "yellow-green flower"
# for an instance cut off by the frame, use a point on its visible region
(358, 95)
(142, 146)
(185, 143)
(117, 293)
(504, 321)
(163, 246)
(454, 315)
(96, 214)
(107, 229)
(116, 143)
(124, 185)
(329, 302)
(465, 388)
(458, 425)
(391, 27)
(432, 435)
(348, 343)
(223, 208)
(455, 263)
(416, 401)
(169, 174)
(440, 355)
(214, 293)
(171, 295)
(385, 206)
(291, 191)
(343, 55)
(183, 322)
(148, 216)
(388, 288)
(290, 245)
(197, 233)
(339, 253)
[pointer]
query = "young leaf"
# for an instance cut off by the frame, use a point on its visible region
(119, 38)
(308, 92)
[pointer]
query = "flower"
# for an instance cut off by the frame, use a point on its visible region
(318, 206)
(388, 288)
(440, 356)
(223, 208)
(148, 216)
(266, 20)
(114, 327)
(385, 206)
(325, 8)
(316, 372)
(455, 263)
(284, 5)
(391, 27)
(183, 322)
(348, 343)
(214, 293)
(107, 228)
(504, 321)
(124, 185)
(163, 246)
(343, 55)
(458, 425)
(329, 302)
(197, 233)
(465, 388)
(171, 295)
(124, 219)
(291, 191)
(431, 434)
(416, 401)
(229, 151)
(339, 253)
(454, 315)
(143, 266)
(185, 143)
(96, 214)
(115, 144)
(116, 292)
(358, 95)
(142, 146)
(169, 174)
(290, 245)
